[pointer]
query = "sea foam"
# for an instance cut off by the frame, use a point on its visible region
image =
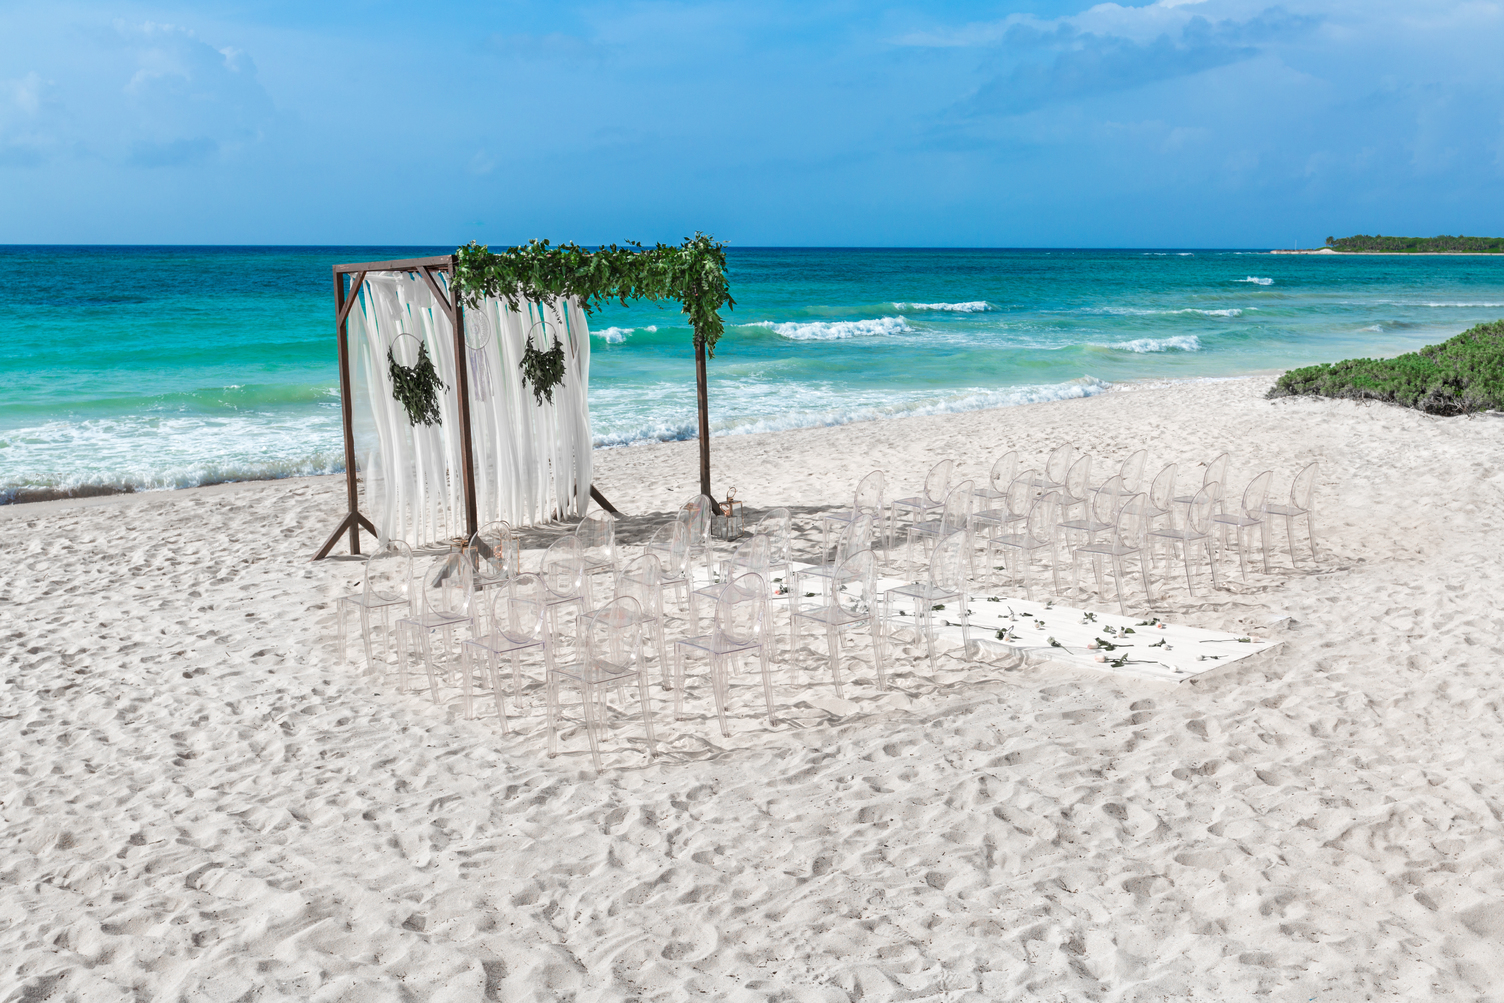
(1179, 343)
(1255, 280)
(617, 335)
(835, 330)
(974, 306)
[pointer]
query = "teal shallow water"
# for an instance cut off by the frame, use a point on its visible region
(166, 367)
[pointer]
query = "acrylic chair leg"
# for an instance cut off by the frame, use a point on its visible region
(965, 626)
(678, 682)
(1185, 556)
(877, 653)
(551, 689)
(1264, 539)
(835, 656)
(662, 651)
(427, 648)
(767, 683)
(1143, 561)
(401, 660)
(501, 709)
(1311, 531)
(719, 684)
(587, 701)
(1117, 565)
(647, 712)
(466, 670)
(365, 636)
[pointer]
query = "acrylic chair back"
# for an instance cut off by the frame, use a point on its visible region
(948, 562)
(517, 610)
(1216, 470)
(612, 635)
(1130, 523)
(1162, 488)
(937, 482)
(1021, 494)
(388, 574)
(642, 579)
(1104, 504)
(1058, 463)
(1039, 521)
(1256, 495)
(740, 612)
(958, 506)
(754, 556)
(1198, 518)
(445, 586)
(1078, 476)
(494, 554)
(597, 535)
(670, 542)
(857, 537)
(1132, 470)
(1002, 473)
(869, 493)
(860, 569)
(563, 568)
(775, 525)
(696, 513)
(1303, 488)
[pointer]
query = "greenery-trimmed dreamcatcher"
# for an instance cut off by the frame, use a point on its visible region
(542, 369)
(416, 387)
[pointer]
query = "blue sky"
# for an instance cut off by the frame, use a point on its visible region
(1214, 123)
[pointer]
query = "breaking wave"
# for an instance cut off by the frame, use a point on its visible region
(1180, 343)
(836, 330)
(1255, 280)
(975, 306)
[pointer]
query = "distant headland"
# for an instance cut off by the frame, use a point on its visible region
(1364, 244)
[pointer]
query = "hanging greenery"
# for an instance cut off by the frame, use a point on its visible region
(416, 387)
(694, 273)
(543, 370)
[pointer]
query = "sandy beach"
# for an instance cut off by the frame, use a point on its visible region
(201, 802)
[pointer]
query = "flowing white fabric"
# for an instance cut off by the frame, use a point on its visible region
(532, 461)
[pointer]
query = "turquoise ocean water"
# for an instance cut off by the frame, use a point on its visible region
(161, 367)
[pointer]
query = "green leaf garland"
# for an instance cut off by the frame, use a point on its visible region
(416, 387)
(543, 370)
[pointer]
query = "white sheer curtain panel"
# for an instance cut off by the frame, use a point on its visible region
(532, 461)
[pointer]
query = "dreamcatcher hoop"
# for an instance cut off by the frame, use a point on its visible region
(477, 338)
(417, 343)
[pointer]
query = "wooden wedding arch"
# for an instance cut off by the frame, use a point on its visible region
(693, 273)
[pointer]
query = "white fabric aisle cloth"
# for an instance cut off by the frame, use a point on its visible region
(532, 461)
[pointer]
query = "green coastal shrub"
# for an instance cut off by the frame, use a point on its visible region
(1459, 376)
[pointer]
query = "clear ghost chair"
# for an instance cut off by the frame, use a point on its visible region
(854, 539)
(777, 526)
(931, 498)
(512, 623)
(670, 545)
(610, 646)
(1126, 539)
(1100, 518)
(441, 602)
(741, 626)
(751, 557)
(851, 606)
(953, 517)
(868, 498)
(1159, 501)
(1014, 507)
(1004, 470)
(1302, 491)
(698, 512)
(1197, 532)
(944, 585)
(597, 535)
(1056, 466)
(1034, 534)
(1253, 515)
(562, 569)
(384, 587)
(1075, 493)
(1215, 473)
(642, 580)
(1132, 471)
(495, 555)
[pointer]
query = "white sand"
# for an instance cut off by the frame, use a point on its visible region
(200, 803)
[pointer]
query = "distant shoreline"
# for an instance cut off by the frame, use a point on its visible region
(1399, 254)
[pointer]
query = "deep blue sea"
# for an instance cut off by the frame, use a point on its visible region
(163, 367)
